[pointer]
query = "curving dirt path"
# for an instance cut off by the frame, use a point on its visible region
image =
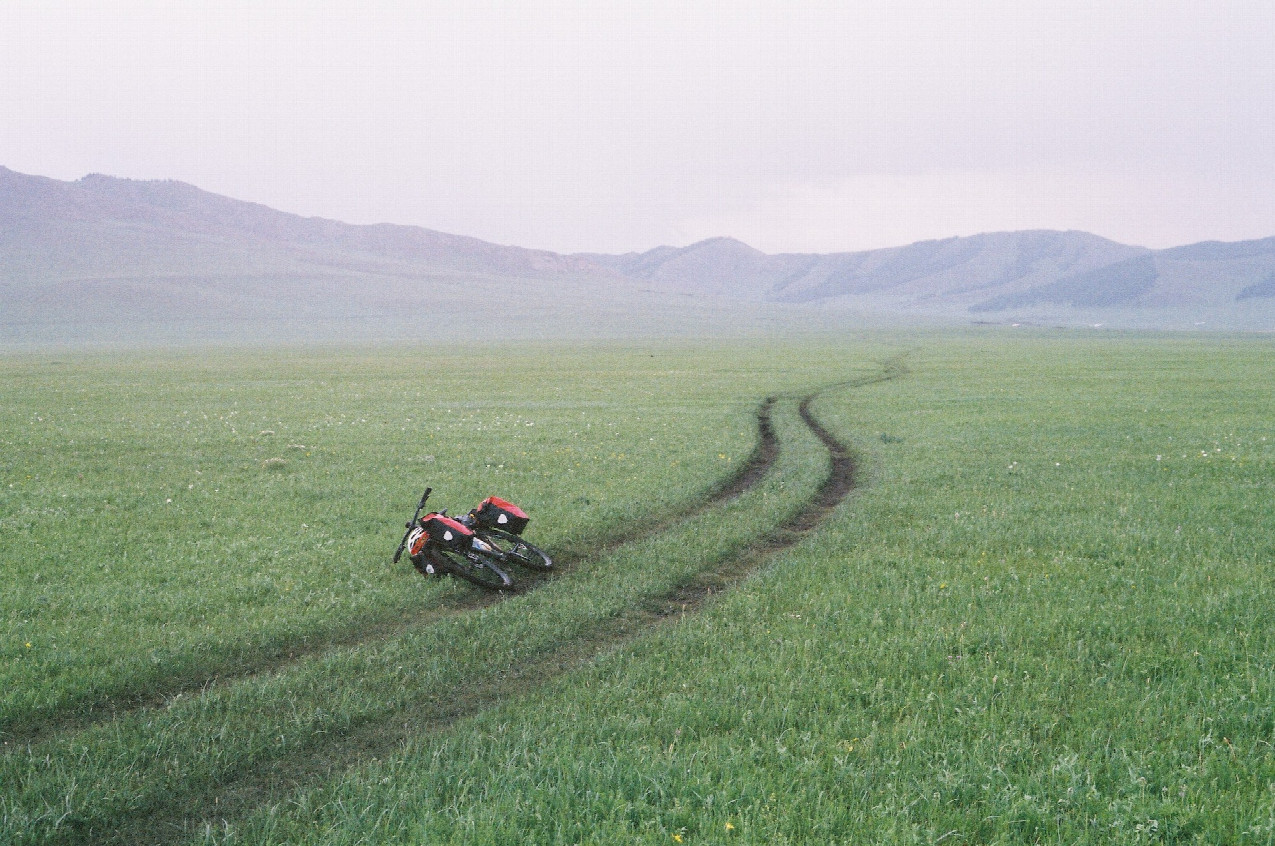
(242, 793)
(757, 465)
(79, 716)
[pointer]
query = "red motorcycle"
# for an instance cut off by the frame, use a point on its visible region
(439, 544)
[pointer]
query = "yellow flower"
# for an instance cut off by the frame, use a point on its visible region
(730, 826)
(28, 644)
(677, 838)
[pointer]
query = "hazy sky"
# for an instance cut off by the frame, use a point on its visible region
(572, 126)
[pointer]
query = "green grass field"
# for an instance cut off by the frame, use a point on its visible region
(1043, 614)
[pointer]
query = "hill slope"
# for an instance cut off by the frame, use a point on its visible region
(101, 227)
(115, 259)
(109, 258)
(955, 271)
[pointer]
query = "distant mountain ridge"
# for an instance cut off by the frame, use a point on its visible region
(961, 271)
(108, 250)
(979, 274)
(103, 226)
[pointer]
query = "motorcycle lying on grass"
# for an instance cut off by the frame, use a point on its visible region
(477, 547)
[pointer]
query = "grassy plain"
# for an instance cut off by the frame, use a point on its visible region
(1043, 616)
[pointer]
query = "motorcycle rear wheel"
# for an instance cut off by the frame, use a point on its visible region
(517, 550)
(472, 566)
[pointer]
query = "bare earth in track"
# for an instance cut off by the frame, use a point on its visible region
(242, 793)
(23, 734)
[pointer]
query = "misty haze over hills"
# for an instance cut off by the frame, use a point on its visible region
(106, 259)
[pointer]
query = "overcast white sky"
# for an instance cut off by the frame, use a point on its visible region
(603, 126)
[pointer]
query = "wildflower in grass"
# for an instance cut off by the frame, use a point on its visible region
(677, 838)
(730, 826)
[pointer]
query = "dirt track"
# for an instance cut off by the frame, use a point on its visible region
(241, 793)
(21, 735)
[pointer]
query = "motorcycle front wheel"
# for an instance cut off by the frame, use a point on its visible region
(517, 550)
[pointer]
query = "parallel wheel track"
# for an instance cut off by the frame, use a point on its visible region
(23, 734)
(241, 793)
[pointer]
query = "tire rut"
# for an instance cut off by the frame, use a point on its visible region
(241, 793)
(22, 734)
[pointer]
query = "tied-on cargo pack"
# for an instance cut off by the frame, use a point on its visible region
(443, 531)
(496, 513)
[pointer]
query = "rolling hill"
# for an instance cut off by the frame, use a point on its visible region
(1063, 277)
(108, 259)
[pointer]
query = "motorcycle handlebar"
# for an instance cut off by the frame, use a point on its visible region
(398, 553)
